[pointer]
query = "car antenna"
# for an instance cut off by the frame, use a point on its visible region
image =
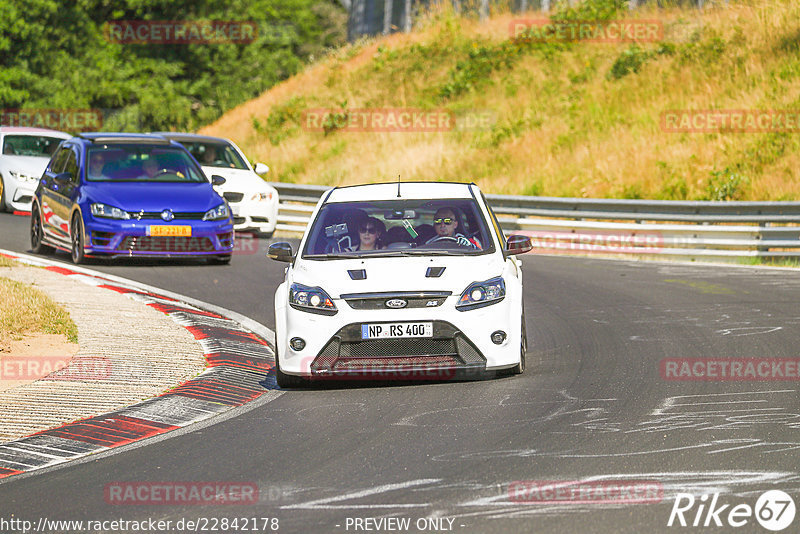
(398, 186)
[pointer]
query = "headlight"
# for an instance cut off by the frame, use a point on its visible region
(109, 212)
(480, 294)
(311, 299)
(216, 214)
(24, 177)
(261, 197)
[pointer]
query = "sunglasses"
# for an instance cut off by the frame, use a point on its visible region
(447, 220)
(368, 230)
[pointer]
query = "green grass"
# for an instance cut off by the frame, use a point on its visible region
(26, 310)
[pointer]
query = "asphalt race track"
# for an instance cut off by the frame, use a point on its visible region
(592, 405)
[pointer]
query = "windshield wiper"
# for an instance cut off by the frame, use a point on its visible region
(433, 252)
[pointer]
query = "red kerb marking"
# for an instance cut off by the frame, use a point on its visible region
(60, 270)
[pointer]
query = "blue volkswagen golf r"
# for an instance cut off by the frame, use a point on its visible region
(112, 195)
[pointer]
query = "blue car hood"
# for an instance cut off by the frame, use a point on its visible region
(154, 196)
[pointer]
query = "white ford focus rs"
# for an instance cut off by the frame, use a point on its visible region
(408, 281)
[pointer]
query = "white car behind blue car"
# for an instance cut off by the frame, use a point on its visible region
(24, 154)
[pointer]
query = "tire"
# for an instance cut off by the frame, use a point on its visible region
(523, 349)
(287, 381)
(220, 260)
(2, 195)
(37, 233)
(77, 239)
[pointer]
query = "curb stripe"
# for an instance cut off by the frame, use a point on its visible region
(240, 368)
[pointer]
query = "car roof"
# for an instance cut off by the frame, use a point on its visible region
(25, 130)
(183, 136)
(407, 190)
(116, 137)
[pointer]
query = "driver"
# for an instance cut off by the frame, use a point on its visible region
(445, 224)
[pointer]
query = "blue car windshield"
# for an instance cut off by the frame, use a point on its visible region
(404, 227)
(141, 163)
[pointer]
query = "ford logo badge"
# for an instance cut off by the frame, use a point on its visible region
(167, 215)
(396, 303)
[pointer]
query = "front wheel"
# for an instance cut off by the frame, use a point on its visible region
(78, 255)
(284, 380)
(37, 233)
(523, 349)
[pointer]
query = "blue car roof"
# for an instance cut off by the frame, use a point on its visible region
(116, 137)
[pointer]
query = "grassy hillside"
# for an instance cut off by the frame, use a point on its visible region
(571, 119)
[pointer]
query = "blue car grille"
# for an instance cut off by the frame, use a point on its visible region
(166, 244)
(185, 215)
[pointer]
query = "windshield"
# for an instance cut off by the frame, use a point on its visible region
(30, 145)
(398, 227)
(141, 163)
(212, 154)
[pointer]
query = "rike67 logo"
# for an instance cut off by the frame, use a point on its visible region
(774, 510)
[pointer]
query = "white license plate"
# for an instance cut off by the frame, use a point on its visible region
(395, 330)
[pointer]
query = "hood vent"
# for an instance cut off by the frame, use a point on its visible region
(434, 272)
(357, 274)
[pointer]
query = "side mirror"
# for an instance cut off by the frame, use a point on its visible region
(260, 168)
(217, 180)
(280, 252)
(518, 244)
(62, 178)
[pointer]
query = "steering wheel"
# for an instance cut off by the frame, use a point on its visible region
(162, 172)
(442, 238)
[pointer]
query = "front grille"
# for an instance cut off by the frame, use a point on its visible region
(185, 215)
(414, 299)
(396, 347)
(25, 199)
(346, 351)
(102, 239)
(166, 244)
(239, 220)
(230, 196)
(258, 219)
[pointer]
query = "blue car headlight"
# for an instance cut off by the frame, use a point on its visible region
(217, 214)
(480, 294)
(311, 299)
(109, 212)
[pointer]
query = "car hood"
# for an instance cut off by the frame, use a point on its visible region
(28, 165)
(238, 180)
(397, 274)
(150, 196)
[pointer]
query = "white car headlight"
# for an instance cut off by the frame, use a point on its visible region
(217, 214)
(24, 177)
(109, 212)
(311, 299)
(480, 294)
(261, 197)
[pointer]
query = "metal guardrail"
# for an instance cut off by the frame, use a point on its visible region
(686, 229)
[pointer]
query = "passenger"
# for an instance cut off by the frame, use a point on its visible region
(446, 225)
(370, 233)
(96, 163)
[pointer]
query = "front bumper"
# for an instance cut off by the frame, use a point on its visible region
(254, 216)
(19, 196)
(461, 344)
(118, 238)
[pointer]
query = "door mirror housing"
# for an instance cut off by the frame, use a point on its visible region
(281, 252)
(261, 168)
(518, 244)
(217, 180)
